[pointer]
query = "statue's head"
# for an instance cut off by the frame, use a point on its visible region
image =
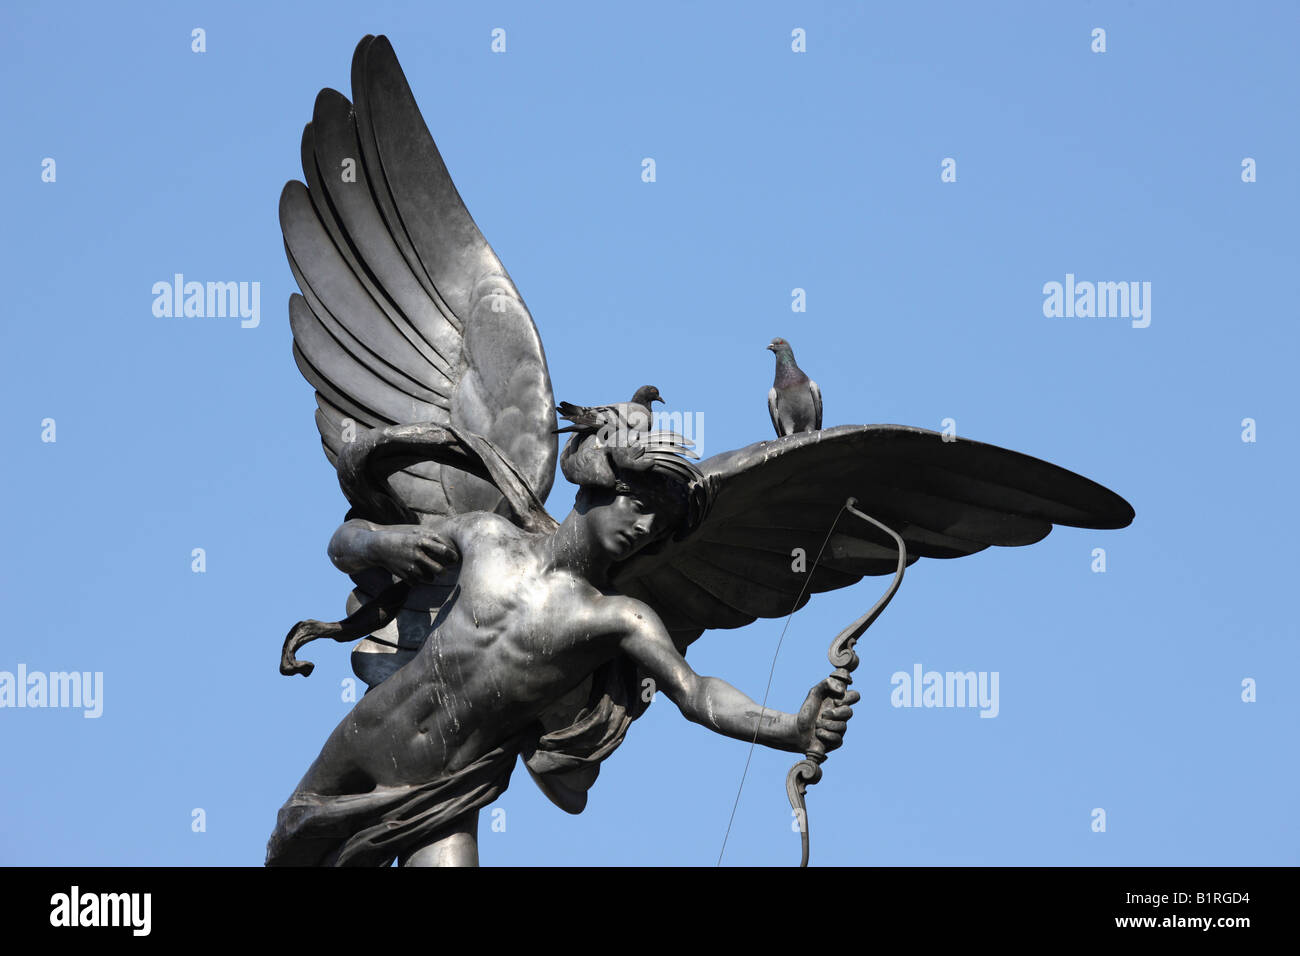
(641, 509)
(634, 487)
(620, 523)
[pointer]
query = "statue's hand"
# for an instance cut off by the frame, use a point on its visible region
(413, 553)
(823, 717)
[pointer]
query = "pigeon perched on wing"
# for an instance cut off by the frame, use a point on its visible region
(795, 401)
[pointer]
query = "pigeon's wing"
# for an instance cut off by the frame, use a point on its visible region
(771, 410)
(406, 314)
(773, 500)
(817, 403)
(627, 415)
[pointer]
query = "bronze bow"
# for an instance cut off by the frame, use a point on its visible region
(842, 656)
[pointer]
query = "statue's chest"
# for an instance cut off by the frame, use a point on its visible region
(502, 593)
(530, 616)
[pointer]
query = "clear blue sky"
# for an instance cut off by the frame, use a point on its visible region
(775, 170)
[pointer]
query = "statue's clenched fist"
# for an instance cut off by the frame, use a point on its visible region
(823, 717)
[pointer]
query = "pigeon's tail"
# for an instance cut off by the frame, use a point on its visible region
(585, 419)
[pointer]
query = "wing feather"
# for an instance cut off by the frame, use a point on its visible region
(356, 215)
(693, 600)
(344, 369)
(406, 315)
(945, 498)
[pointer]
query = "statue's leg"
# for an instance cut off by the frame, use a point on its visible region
(455, 846)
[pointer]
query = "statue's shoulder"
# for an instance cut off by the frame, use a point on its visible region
(484, 526)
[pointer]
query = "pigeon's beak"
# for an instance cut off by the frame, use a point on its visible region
(653, 400)
(770, 348)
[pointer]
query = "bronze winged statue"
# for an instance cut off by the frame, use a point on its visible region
(487, 630)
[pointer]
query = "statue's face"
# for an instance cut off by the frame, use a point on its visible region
(624, 525)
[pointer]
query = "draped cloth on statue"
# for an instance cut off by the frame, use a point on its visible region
(374, 828)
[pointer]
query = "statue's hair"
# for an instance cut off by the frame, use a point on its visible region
(653, 464)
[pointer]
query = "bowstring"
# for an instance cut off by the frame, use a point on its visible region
(770, 674)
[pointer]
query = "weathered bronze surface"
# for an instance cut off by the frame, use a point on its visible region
(488, 630)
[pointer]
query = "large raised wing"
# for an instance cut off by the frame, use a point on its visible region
(944, 498)
(406, 314)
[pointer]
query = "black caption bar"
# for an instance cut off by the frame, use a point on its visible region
(134, 905)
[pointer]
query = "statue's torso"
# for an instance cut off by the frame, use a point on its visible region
(512, 638)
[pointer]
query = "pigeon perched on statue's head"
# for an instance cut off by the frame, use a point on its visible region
(612, 447)
(631, 416)
(795, 401)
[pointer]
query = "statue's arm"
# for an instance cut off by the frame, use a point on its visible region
(412, 552)
(708, 701)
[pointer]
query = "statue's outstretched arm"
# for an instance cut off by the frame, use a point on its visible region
(713, 703)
